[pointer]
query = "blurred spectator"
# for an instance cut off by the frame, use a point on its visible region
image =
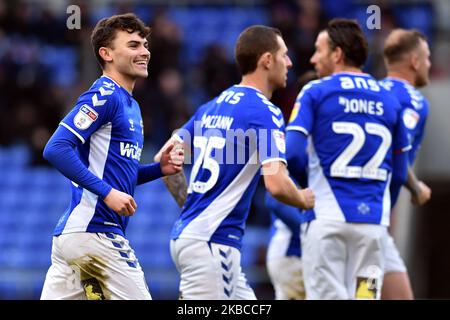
(300, 21)
(164, 106)
(216, 70)
(43, 64)
(165, 45)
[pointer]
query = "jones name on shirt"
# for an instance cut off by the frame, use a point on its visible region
(362, 106)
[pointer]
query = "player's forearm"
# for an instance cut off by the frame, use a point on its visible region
(289, 194)
(177, 186)
(176, 183)
(61, 154)
(412, 183)
(282, 188)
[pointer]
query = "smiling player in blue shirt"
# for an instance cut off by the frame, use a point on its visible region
(98, 146)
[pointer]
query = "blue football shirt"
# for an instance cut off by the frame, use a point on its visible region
(354, 126)
(231, 137)
(107, 120)
(415, 111)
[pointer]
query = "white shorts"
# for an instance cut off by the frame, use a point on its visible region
(94, 266)
(209, 271)
(342, 260)
(286, 275)
(393, 260)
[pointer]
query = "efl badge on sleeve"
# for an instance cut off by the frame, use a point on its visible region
(294, 112)
(280, 140)
(85, 117)
(410, 118)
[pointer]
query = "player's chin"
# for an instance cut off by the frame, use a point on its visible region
(319, 71)
(140, 72)
(283, 83)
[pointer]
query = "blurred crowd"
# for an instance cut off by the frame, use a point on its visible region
(44, 66)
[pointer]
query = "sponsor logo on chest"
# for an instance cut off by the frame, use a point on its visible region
(131, 151)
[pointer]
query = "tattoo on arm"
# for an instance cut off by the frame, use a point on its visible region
(177, 186)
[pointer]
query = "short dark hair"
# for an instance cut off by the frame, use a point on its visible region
(252, 43)
(105, 31)
(348, 35)
(400, 42)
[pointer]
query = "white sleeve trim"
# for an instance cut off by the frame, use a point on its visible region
(178, 138)
(407, 148)
(73, 131)
(274, 159)
(297, 128)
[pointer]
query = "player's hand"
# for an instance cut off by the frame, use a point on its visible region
(121, 203)
(172, 159)
(308, 198)
(423, 194)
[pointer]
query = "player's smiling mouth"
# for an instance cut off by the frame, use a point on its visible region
(141, 63)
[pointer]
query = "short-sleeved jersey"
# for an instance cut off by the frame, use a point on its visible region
(415, 111)
(354, 126)
(108, 122)
(231, 137)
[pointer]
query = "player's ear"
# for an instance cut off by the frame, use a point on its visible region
(105, 53)
(414, 61)
(266, 60)
(337, 55)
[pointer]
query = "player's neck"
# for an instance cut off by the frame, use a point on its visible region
(404, 76)
(258, 82)
(122, 80)
(345, 68)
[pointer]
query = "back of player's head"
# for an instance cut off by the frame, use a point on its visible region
(348, 35)
(252, 43)
(401, 42)
(105, 31)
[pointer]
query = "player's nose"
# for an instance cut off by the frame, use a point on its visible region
(145, 53)
(289, 62)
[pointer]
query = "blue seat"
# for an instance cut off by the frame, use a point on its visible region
(181, 16)
(254, 238)
(38, 259)
(416, 16)
(9, 290)
(155, 257)
(16, 178)
(163, 286)
(37, 284)
(8, 213)
(144, 12)
(19, 156)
